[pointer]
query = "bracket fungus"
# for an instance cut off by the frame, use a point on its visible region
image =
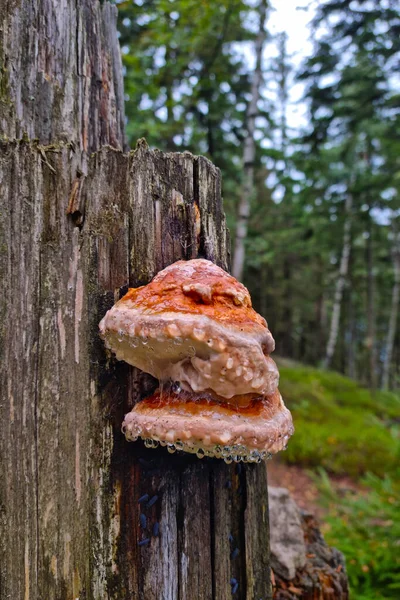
(194, 329)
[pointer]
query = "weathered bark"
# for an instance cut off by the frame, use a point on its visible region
(387, 362)
(61, 83)
(249, 151)
(74, 232)
(340, 283)
(70, 517)
(61, 73)
(53, 430)
(323, 577)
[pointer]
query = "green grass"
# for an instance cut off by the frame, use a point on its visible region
(366, 528)
(343, 429)
(340, 425)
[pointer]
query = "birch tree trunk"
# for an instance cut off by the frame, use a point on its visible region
(340, 283)
(249, 152)
(80, 221)
(393, 312)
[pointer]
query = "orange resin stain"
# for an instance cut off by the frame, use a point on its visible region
(196, 404)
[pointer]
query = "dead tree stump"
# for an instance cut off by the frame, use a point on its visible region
(75, 230)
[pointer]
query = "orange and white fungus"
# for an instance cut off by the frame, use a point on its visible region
(194, 329)
(199, 424)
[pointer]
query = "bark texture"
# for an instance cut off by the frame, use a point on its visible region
(249, 151)
(61, 73)
(71, 523)
(75, 230)
(323, 576)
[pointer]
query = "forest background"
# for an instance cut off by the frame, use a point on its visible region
(313, 208)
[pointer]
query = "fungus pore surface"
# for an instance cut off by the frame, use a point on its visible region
(194, 325)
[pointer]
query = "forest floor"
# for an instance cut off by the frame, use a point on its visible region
(304, 489)
(299, 483)
(343, 465)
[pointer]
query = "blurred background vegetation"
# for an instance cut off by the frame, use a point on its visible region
(313, 208)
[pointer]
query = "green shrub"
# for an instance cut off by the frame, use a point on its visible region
(342, 428)
(366, 528)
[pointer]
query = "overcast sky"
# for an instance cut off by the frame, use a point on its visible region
(293, 17)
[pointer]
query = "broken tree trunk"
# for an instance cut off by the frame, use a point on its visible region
(323, 575)
(75, 230)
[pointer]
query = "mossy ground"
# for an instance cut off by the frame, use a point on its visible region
(340, 425)
(343, 429)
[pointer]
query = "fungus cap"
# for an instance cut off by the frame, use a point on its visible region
(194, 323)
(201, 425)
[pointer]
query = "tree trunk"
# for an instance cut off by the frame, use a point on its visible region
(61, 73)
(319, 326)
(76, 229)
(371, 341)
(249, 151)
(340, 283)
(323, 577)
(287, 312)
(283, 72)
(393, 312)
(351, 345)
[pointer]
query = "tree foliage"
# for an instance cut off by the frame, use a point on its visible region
(188, 75)
(186, 80)
(189, 67)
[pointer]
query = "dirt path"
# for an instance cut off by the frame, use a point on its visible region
(303, 489)
(299, 484)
